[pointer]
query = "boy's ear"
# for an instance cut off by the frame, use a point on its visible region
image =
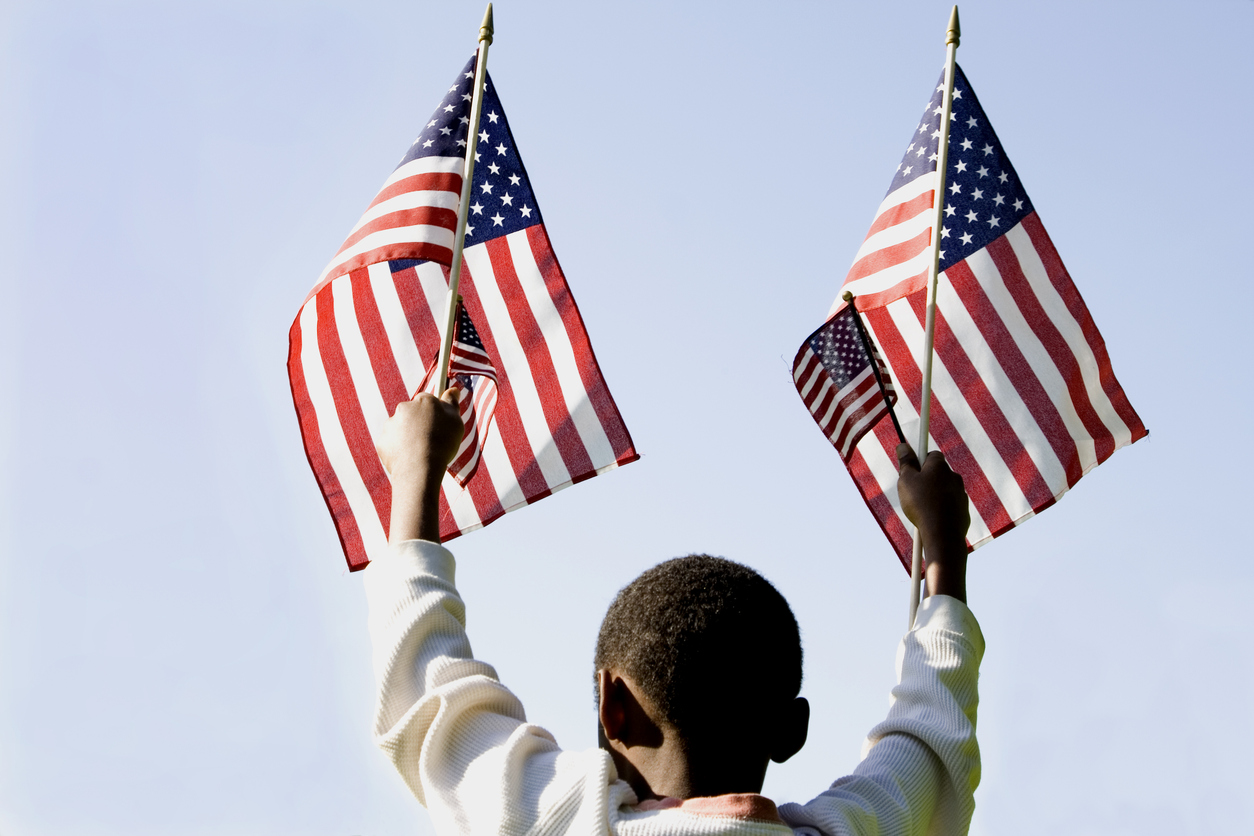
(612, 709)
(791, 730)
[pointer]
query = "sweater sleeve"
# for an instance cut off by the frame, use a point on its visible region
(458, 737)
(921, 765)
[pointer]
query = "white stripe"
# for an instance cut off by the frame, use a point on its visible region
(886, 471)
(1033, 350)
(561, 352)
(501, 469)
(904, 194)
(816, 367)
(866, 420)
(896, 234)
(332, 435)
(406, 201)
(853, 408)
(373, 409)
(434, 283)
(460, 504)
(1002, 390)
(826, 386)
(425, 165)
(396, 326)
(1056, 309)
(516, 368)
(961, 416)
(885, 279)
(888, 277)
(419, 233)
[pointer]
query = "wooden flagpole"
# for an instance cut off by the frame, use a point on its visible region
(463, 207)
(952, 35)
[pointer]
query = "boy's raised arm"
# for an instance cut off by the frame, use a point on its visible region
(921, 764)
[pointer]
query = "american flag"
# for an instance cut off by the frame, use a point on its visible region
(367, 334)
(1024, 401)
(834, 377)
(471, 373)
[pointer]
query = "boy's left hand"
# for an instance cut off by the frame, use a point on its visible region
(422, 435)
(415, 447)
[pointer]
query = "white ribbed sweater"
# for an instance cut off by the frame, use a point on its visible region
(462, 743)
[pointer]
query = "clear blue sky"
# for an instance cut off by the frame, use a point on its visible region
(181, 648)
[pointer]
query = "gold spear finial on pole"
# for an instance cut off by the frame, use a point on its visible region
(952, 36)
(486, 30)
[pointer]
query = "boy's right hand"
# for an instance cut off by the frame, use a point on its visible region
(934, 499)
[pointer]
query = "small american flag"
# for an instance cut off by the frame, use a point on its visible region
(367, 335)
(834, 377)
(471, 373)
(1024, 400)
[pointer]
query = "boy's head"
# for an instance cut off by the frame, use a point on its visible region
(698, 670)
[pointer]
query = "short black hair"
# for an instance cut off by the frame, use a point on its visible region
(698, 623)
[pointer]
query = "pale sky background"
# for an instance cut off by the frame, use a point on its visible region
(181, 648)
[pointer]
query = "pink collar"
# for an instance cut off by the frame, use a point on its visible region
(739, 805)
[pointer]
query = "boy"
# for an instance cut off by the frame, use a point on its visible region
(698, 670)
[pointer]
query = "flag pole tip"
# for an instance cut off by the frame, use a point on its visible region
(847, 296)
(486, 29)
(954, 34)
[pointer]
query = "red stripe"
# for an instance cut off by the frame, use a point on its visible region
(417, 310)
(509, 423)
(889, 256)
(1042, 326)
(1017, 368)
(820, 395)
(861, 418)
(469, 450)
(348, 408)
(589, 370)
(433, 216)
(821, 398)
(319, 462)
(813, 369)
(484, 497)
(856, 413)
(808, 361)
(387, 374)
(974, 390)
(858, 426)
(950, 441)
(905, 287)
(847, 396)
(536, 349)
(872, 492)
(403, 250)
(1066, 288)
(429, 182)
(483, 493)
(902, 212)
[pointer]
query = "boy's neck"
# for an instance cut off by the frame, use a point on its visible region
(658, 763)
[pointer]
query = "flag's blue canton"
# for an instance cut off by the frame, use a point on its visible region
(839, 348)
(983, 195)
(501, 201)
(466, 333)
